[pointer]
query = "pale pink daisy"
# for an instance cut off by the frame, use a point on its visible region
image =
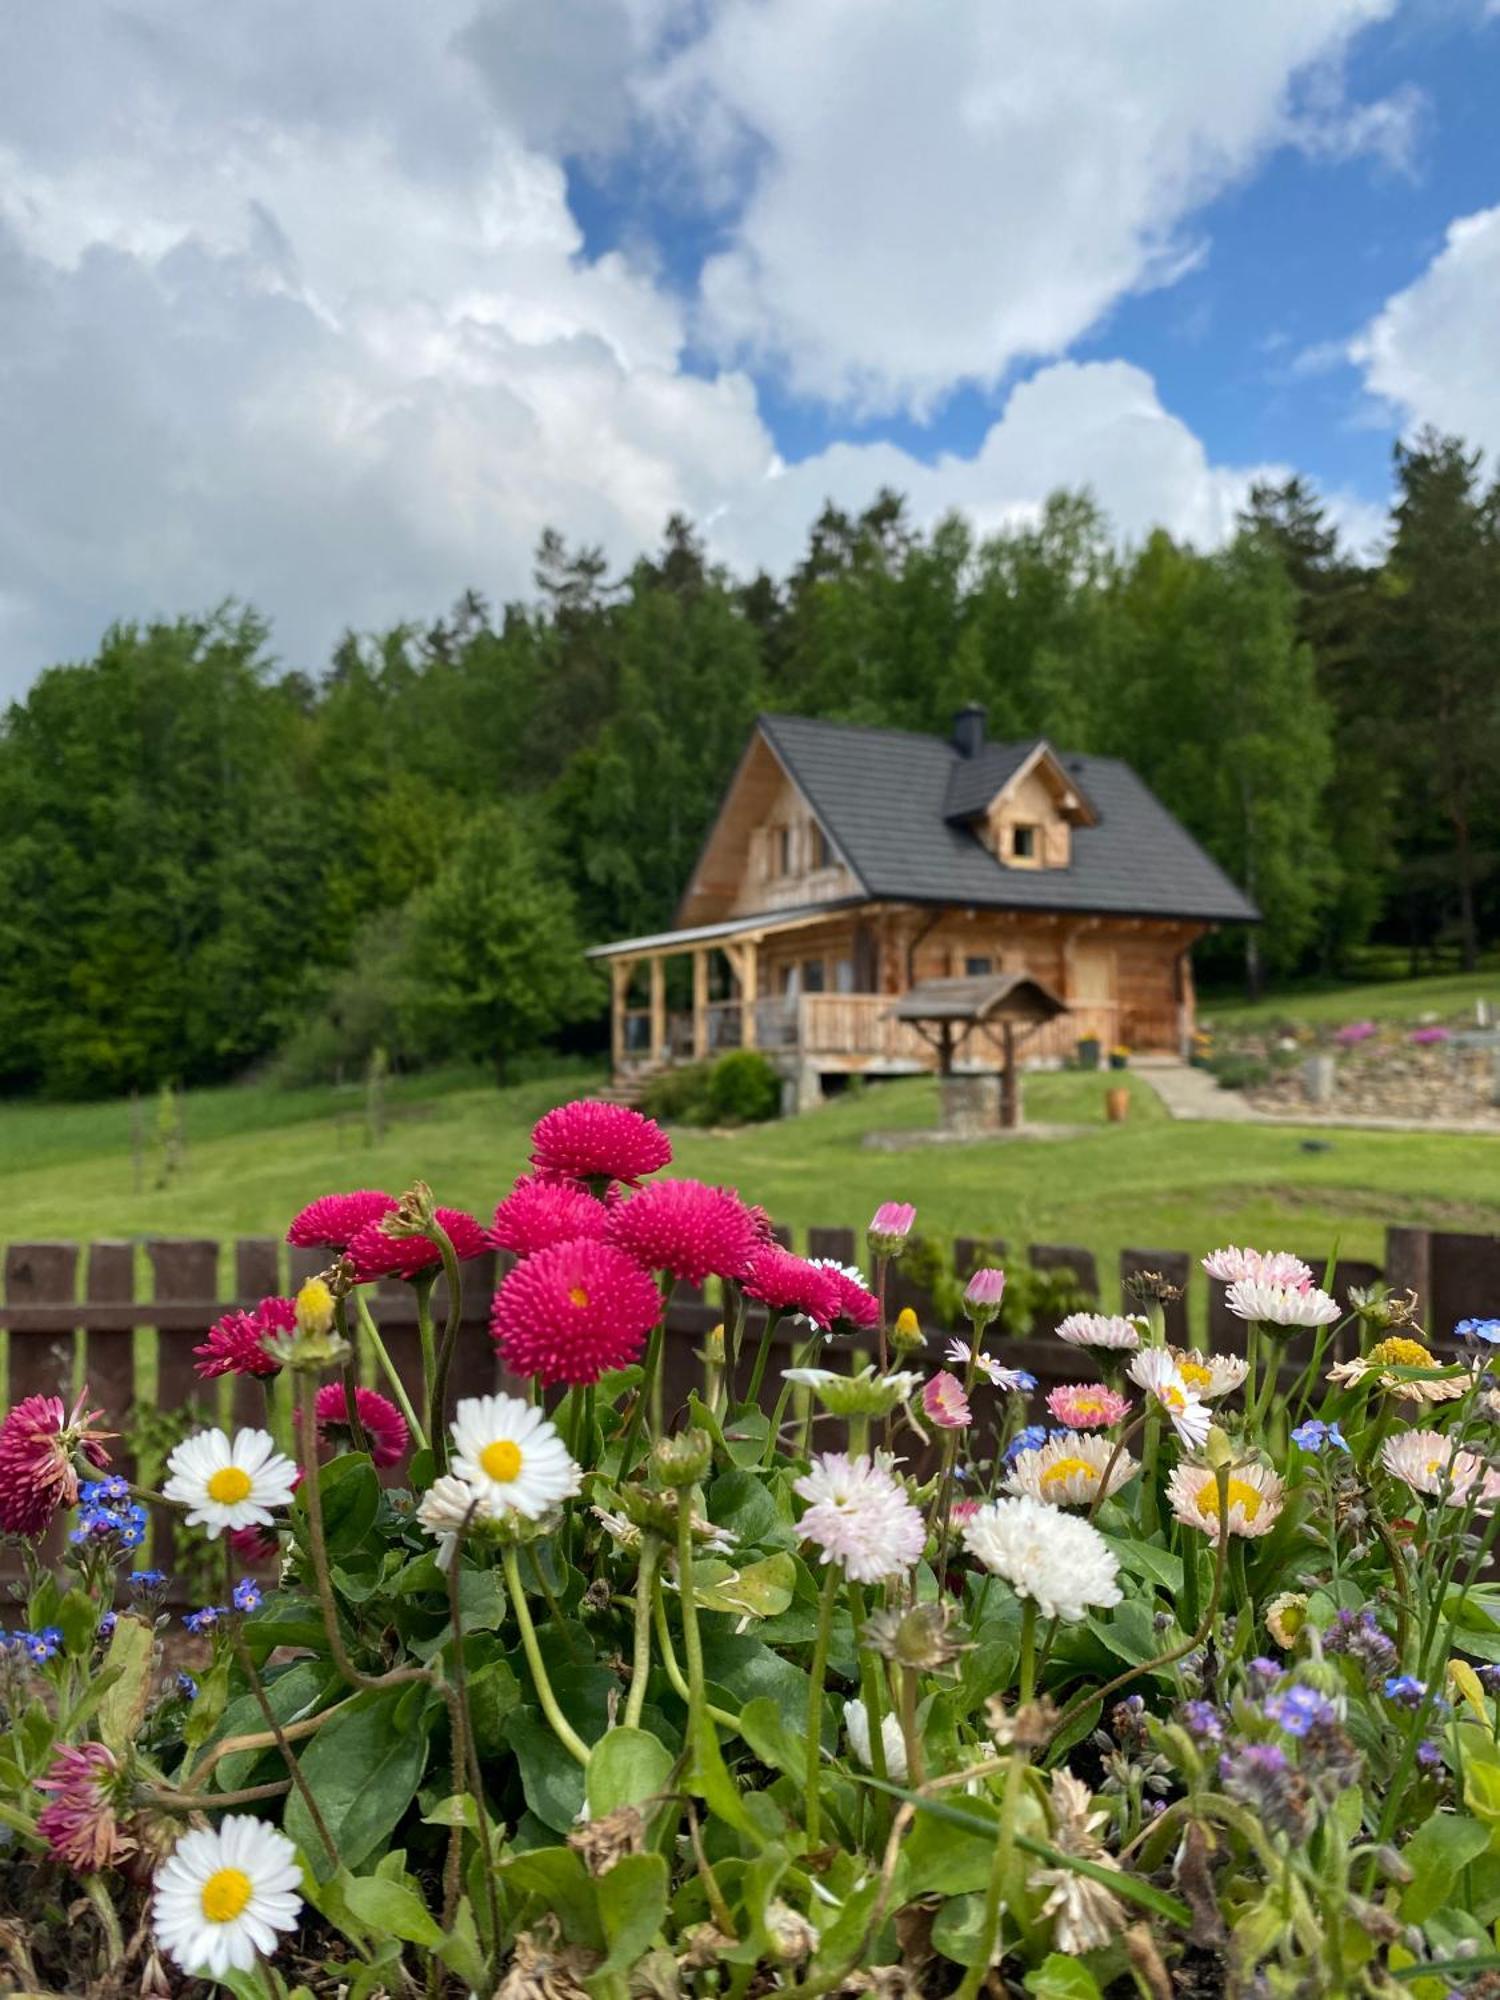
(1254, 1493)
(1430, 1463)
(859, 1516)
(1087, 1406)
(944, 1401)
(1271, 1304)
(1107, 1330)
(1270, 1267)
(1210, 1375)
(1068, 1472)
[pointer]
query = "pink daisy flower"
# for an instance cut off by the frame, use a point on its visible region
(375, 1254)
(963, 1510)
(79, 1825)
(382, 1422)
(590, 1140)
(787, 1283)
(38, 1441)
(236, 1344)
(333, 1220)
(890, 1226)
(1087, 1406)
(573, 1311)
(858, 1305)
(693, 1231)
(539, 1212)
(944, 1401)
(254, 1544)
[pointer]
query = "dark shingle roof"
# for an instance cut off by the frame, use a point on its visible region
(884, 796)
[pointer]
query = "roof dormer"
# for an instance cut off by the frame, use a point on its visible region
(1018, 799)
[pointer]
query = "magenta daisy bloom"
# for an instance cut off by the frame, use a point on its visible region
(572, 1312)
(334, 1220)
(693, 1231)
(38, 1442)
(376, 1254)
(382, 1423)
(787, 1283)
(539, 1212)
(858, 1306)
(1087, 1406)
(236, 1344)
(79, 1825)
(944, 1401)
(590, 1140)
(254, 1544)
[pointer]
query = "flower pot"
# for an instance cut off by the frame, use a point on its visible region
(1119, 1062)
(1088, 1051)
(1117, 1105)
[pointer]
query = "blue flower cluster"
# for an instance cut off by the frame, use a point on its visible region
(1315, 1435)
(1485, 1331)
(107, 1515)
(1031, 1439)
(39, 1647)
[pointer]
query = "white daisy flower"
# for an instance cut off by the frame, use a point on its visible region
(1210, 1375)
(960, 1354)
(1431, 1463)
(226, 1485)
(1281, 1305)
(508, 1453)
(1271, 1267)
(448, 1507)
(1113, 1330)
(859, 1516)
(1068, 1471)
(1063, 1564)
(1157, 1373)
(1255, 1496)
(857, 1725)
(224, 1893)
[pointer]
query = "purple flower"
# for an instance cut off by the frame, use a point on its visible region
(1264, 1669)
(107, 1627)
(1259, 1776)
(1031, 1439)
(1487, 1330)
(147, 1581)
(206, 1619)
(247, 1594)
(1297, 1709)
(1426, 1038)
(40, 1647)
(1405, 1690)
(1201, 1720)
(1429, 1754)
(1357, 1634)
(1354, 1032)
(187, 1687)
(1315, 1434)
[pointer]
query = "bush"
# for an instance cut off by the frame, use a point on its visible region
(743, 1089)
(679, 1096)
(1235, 1071)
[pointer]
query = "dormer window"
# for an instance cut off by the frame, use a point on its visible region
(822, 853)
(1024, 845)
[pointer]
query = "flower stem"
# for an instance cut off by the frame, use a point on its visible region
(642, 1395)
(762, 1355)
(640, 1664)
(293, 1768)
(692, 1640)
(562, 1729)
(388, 1368)
(1026, 1688)
(436, 1409)
(811, 1801)
(989, 1927)
(674, 1672)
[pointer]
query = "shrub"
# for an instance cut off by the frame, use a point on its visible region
(1237, 1071)
(679, 1096)
(743, 1089)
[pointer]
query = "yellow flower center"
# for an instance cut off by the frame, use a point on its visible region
(1404, 1353)
(502, 1460)
(1196, 1375)
(1173, 1397)
(1241, 1494)
(229, 1485)
(578, 1296)
(225, 1894)
(1064, 1469)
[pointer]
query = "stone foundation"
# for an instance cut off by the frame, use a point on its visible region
(969, 1104)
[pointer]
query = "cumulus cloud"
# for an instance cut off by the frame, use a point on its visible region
(296, 306)
(1431, 350)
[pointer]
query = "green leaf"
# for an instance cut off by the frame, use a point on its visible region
(746, 1505)
(956, 1928)
(124, 1705)
(78, 1619)
(745, 1437)
(763, 1728)
(1060, 1978)
(363, 1768)
(1437, 1854)
(1146, 1560)
(1129, 1632)
(293, 1695)
(709, 1778)
(761, 1589)
(558, 1877)
(632, 1902)
(551, 1778)
(628, 1767)
(494, 1692)
(392, 1907)
(350, 1492)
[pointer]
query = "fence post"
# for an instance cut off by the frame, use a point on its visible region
(257, 1276)
(183, 1269)
(1408, 1264)
(109, 1351)
(1066, 1257)
(41, 1363)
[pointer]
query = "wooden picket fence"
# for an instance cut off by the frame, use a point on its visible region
(74, 1313)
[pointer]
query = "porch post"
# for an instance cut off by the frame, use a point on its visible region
(658, 1010)
(620, 970)
(700, 1003)
(749, 990)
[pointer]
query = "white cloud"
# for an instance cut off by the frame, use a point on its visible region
(295, 305)
(937, 192)
(1431, 350)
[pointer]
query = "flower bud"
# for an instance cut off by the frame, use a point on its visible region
(983, 1295)
(1218, 1451)
(1286, 1616)
(889, 1228)
(682, 1460)
(906, 1335)
(313, 1344)
(314, 1307)
(792, 1936)
(863, 1395)
(713, 1345)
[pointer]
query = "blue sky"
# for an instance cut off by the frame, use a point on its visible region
(337, 312)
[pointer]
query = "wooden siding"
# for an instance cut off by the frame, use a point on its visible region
(738, 873)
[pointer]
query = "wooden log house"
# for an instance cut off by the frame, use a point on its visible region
(848, 864)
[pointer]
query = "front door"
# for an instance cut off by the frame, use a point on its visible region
(1093, 996)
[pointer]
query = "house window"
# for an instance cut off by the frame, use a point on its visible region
(843, 975)
(822, 853)
(812, 975)
(978, 968)
(1023, 843)
(783, 850)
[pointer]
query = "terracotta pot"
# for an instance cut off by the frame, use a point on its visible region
(1117, 1105)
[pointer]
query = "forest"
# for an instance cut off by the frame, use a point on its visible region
(213, 860)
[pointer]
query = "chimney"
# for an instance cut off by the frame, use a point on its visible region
(968, 730)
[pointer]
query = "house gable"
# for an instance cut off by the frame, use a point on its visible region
(1029, 821)
(768, 849)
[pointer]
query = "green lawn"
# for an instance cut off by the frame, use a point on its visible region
(253, 1157)
(1403, 1000)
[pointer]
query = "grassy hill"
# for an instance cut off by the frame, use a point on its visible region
(253, 1156)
